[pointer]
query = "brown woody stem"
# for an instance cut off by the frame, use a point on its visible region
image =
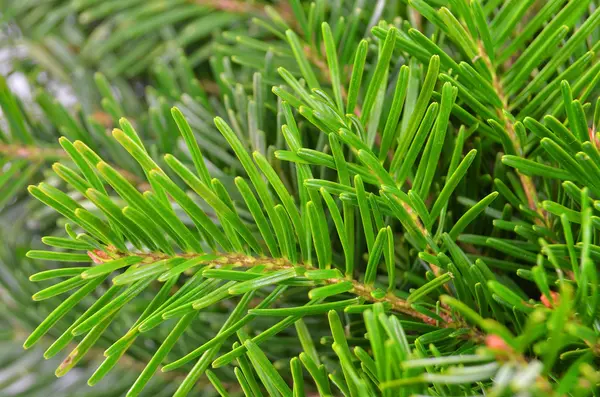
(361, 290)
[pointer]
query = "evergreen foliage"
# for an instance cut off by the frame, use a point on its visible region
(395, 198)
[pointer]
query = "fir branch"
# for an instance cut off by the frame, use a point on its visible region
(364, 291)
(362, 186)
(526, 181)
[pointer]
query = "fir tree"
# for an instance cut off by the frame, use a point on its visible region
(387, 198)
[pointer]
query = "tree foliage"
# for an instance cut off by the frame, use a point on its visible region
(342, 198)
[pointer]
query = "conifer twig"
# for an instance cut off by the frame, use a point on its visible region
(361, 290)
(526, 181)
